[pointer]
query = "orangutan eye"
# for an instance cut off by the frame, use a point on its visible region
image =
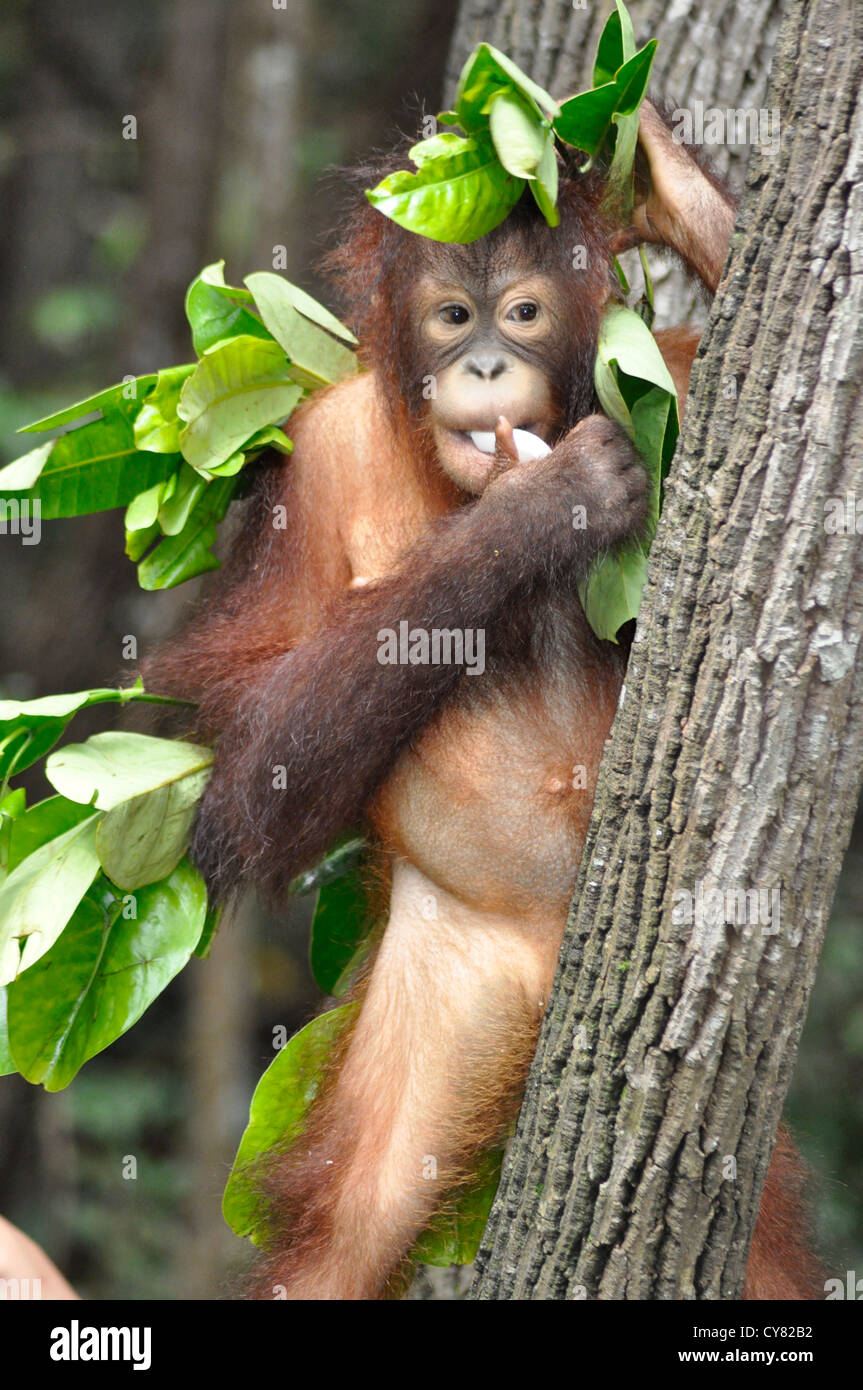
(455, 313)
(524, 313)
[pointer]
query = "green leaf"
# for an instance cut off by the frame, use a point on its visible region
(270, 438)
(143, 839)
(25, 471)
(156, 426)
(21, 745)
(143, 510)
(182, 557)
(455, 1235)
(588, 120)
(55, 706)
(102, 974)
(544, 186)
(486, 71)
(39, 897)
(621, 275)
(434, 147)
(627, 36)
(174, 511)
(208, 931)
(620, 173)
(336, 862)
(93, 469)
(625, 340)
(211, 314)
(457, 197)
(30, 728)
(281, 1102)
(43, 822)
(234, 292)
(612, 594)
(616, 45)
(342, 920)
(316, 359)
(235, 390)
(306, 305)
(7, 1066)
(518, 133)
(12, 806)
(645, 308)
(467, 186)
(138, 541)
(654, 419)
(231, 467)
(634, 388)
(124, 398)
(112, 767)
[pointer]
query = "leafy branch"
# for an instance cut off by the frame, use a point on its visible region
(467, 184)
(171, 446)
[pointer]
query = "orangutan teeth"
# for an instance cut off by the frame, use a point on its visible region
(529, 446)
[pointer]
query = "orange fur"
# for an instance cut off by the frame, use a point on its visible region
(781, 1264)
(430, 1075)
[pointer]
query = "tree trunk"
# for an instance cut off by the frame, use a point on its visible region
(264, 129)
(179, 162)
(219, 1028)
(734, 764)
(719, 54)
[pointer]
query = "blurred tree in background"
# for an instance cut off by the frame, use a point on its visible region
(237, 109)
(138, 143)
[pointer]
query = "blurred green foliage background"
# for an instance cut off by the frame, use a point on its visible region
(239, 108)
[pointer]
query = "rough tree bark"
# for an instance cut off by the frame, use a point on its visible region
(735, 760)
(719, 54)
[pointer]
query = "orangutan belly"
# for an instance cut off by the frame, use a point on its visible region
(492, 801)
